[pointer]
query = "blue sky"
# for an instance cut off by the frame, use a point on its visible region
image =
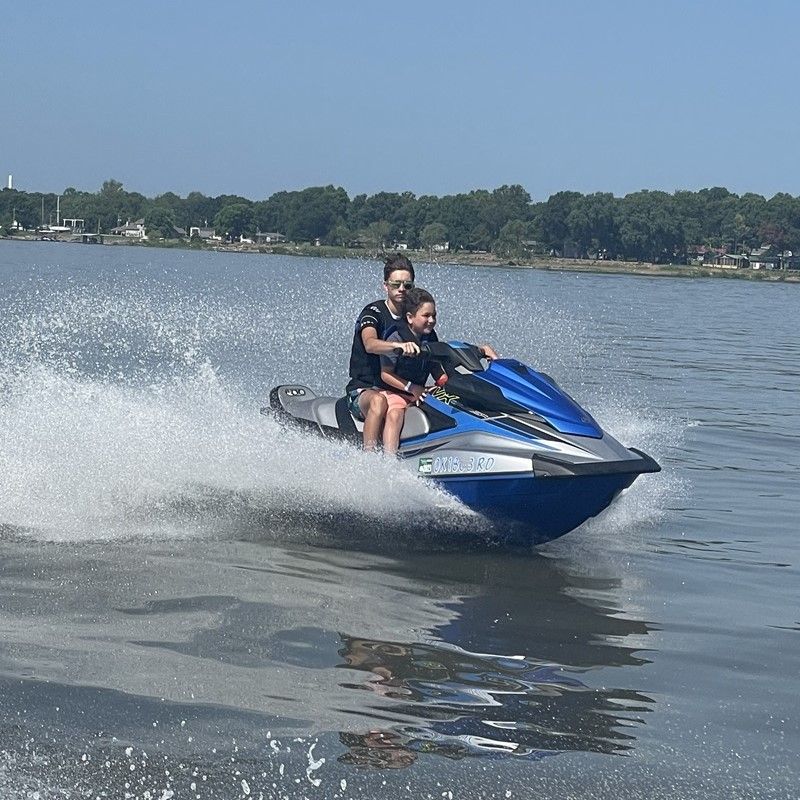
(431, 97)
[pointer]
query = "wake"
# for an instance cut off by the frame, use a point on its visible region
(117, 421)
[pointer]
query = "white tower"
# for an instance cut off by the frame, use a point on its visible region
(10, 181)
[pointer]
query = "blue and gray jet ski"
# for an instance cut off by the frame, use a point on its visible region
(501, 437)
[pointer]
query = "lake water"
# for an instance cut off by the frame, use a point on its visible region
(195, 603)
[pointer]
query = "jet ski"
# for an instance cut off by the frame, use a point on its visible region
(501, 437)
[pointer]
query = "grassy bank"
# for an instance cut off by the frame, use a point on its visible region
(480, 259)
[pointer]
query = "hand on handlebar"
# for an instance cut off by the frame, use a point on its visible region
(417, 392)
(489, 352)
(407, 349)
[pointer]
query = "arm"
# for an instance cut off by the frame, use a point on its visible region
(378, 347)
(389, 374)
(390, 378)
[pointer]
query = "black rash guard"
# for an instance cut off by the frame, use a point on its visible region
(365, 368)
(410, 368)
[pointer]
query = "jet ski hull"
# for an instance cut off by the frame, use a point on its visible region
(527, 510)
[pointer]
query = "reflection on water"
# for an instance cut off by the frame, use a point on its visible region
(520, 704)
(258, 654)
(481, 705)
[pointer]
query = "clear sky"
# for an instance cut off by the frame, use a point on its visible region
(437, 96)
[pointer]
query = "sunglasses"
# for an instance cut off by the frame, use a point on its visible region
(398, 284)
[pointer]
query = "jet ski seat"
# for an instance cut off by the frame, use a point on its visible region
(303, 404)
(415, 423)
(337, 415)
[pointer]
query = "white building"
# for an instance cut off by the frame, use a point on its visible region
(131, 230)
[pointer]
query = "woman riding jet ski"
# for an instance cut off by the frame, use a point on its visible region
(499, 436)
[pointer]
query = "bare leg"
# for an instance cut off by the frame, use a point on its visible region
(373, 407)
(392, 428)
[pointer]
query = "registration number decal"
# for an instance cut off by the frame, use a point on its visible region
(453, 464)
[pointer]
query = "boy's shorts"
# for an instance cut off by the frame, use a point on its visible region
(394, 399)
(353, 406)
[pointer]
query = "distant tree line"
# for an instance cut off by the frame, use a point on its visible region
(646, 225)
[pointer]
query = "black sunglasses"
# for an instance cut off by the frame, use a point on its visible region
(398, 284)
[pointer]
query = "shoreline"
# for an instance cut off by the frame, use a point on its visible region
(608, 267)
(470, 259)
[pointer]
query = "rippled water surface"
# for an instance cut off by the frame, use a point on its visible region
(196, 603)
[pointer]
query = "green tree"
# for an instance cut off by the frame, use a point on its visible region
(432, 234)
(780, 225)
(752, 207)
(176, 206)
(314, 211)
(480, 237)
(160, 221)
(511, 238)
(275, 213)
(551, 220)
(111, 189)
(648, 228)
(20, 205)
(341, 234)
(592, 224)
(380, 207)
(503, 205)
(235, 220)
(461, 215)
(740, 230)
(377, 233)
(717, 208)
(199, 210)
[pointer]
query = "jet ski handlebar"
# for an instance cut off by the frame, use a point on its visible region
(451, 355)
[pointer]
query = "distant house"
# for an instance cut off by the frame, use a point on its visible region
(730, 261)
(703, 254)
(270, 237)
(790, 260)
(401, 245)
(131, 230)
(178, 233)
(765, 258)
(204, 233)
(442, 247)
